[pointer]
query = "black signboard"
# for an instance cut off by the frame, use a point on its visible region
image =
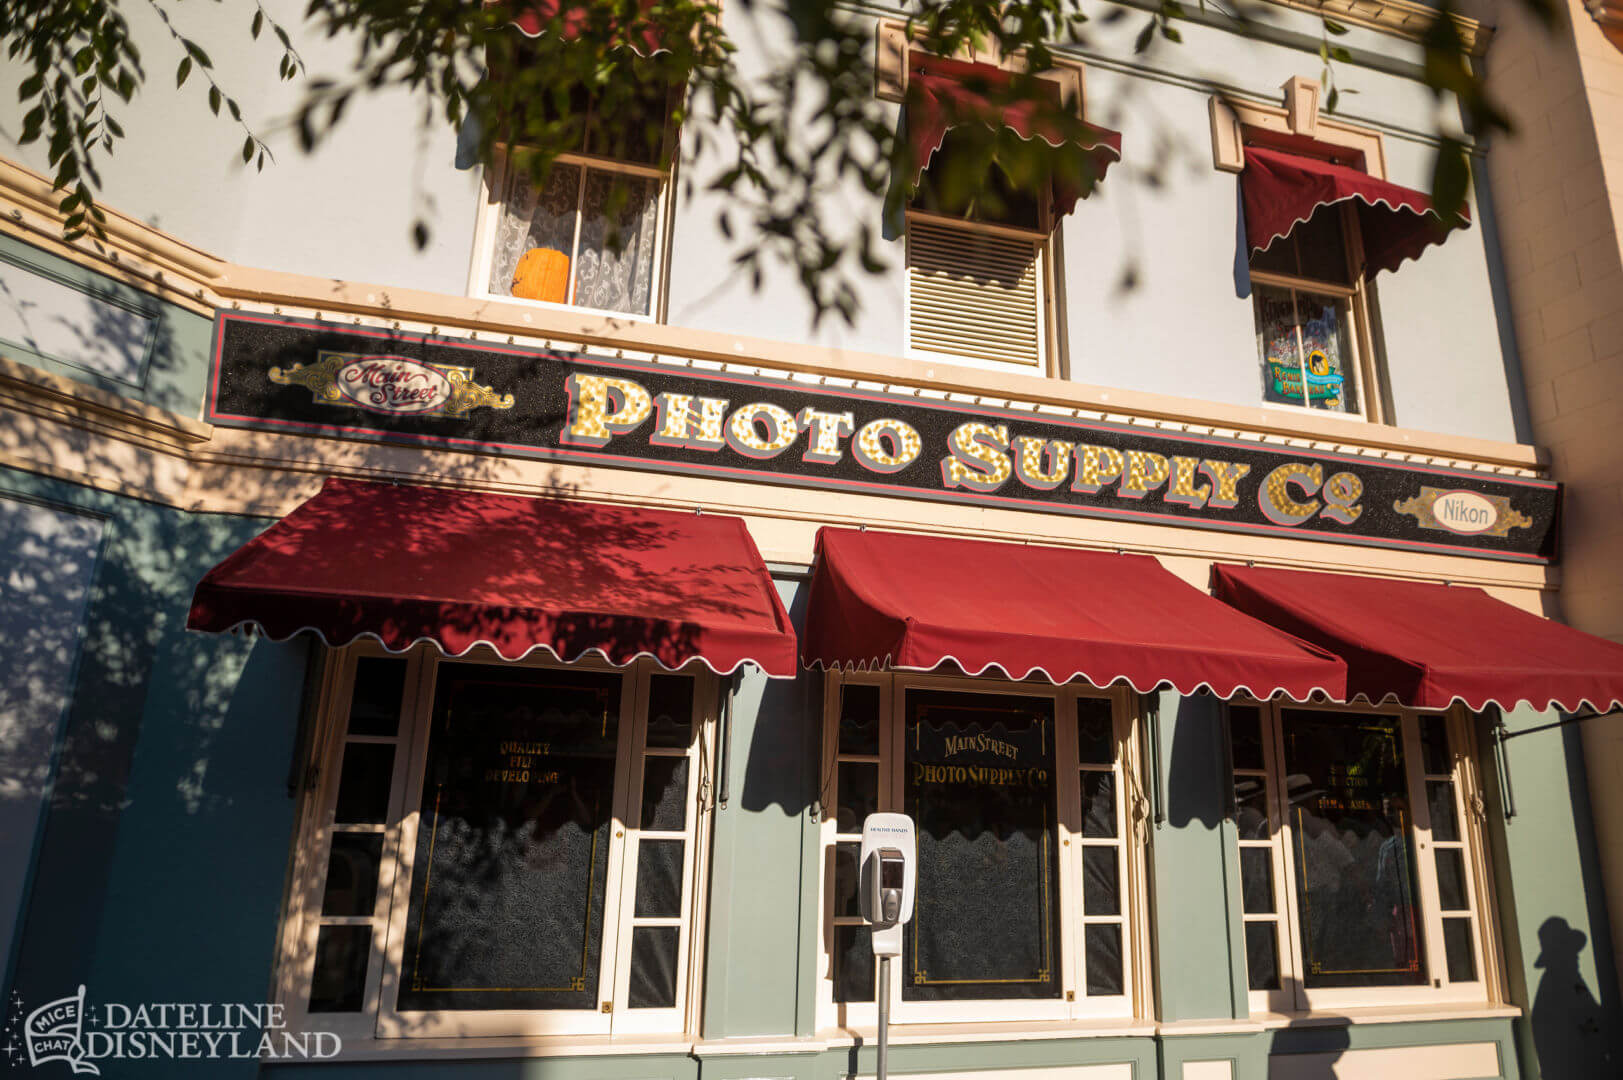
(513, 841)
(297, 375)
(980, 786)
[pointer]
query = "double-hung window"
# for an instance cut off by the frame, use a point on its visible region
(499, 849)
(1028, 879)
(1312, 316)
(590, 233)
(977, 275)
(1361, 864)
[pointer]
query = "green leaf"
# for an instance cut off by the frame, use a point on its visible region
(214, 100)
(196, 51)
(115, 128)
(1450, 179)
(419, 235)
(1145, 36)
(182, 71)
(1332, 99)
(1341, 54)
(1334, 27)
(259, 23)
(247, 149)
(31, 86)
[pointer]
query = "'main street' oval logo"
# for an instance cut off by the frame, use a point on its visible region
(1464, 512)
(393, 384)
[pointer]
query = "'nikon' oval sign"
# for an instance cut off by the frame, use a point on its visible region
(1464, 512)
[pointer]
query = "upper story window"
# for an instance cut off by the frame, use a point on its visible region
(590, 233)
(1029, 885)
(1361, 864)
(1312, 317)
(998, 160)
(499, 849)
(1320, 221)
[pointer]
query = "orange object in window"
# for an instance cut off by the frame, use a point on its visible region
(542, 274)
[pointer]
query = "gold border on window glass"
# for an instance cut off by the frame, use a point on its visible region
(1313, 966)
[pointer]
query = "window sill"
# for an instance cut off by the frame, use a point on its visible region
(550, 305)
(1010, 1031)
(1386, 1014)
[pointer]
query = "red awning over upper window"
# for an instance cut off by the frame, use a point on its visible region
(1282, 190)
(458, 569)
(1426, 645)
(532, 17)
(942, 94)
(914, 603)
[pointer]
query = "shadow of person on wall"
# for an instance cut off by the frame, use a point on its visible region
(1567, 1032)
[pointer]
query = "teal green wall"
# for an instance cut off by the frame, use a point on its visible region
(163, 852)
(177, 356)
(1552, 911)
(1199, 965)
(763, 917)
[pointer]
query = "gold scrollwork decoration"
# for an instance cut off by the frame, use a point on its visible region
(320, 378)
(467, 394)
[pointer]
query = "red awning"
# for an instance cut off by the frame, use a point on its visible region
(532, 17)
(1282, 190)
(942, 94)
(1427, 646)
(890, 600)
(458, 569)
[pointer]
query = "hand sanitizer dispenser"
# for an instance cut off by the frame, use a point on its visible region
(889, 877)
(890, 871)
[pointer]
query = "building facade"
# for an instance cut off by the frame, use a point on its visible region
(486, 655)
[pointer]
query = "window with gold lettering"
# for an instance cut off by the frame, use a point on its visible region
(1027, 879)
(1360, 869)
(499, 848)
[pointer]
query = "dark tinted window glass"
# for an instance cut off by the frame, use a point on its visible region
(1357, 902)
(1103, 942)
(1101, 881)
(1451, 892)
(1245, 736)
(859, 794)
(653, 967)
(380, 685)
(363, 784)
(1261, 956)
(1098, 804)
(670, 711)
(665, 793)
(339, 981)
(1457, 946)
(352, 874)
(980, 786)
(1434, 745)
(507, 896)
(1444, 825)
(1095, 734)
(853, 964)
(847, 879)
(1251, 807)
(659, 878)
(1257, 880)
(859, 719)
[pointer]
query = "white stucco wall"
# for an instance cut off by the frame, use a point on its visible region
(1185, 328)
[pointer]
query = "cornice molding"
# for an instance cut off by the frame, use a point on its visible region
(1400, 18)
(49, 396)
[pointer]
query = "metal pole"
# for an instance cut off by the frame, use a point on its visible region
(884, 1014)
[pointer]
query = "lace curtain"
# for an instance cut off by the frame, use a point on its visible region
(603, 278)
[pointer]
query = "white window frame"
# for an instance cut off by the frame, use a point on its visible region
(1361, 365)
(1293, 995)
(378, 1021)
(1043, 242)
(488, 223)
(1073, 1004)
